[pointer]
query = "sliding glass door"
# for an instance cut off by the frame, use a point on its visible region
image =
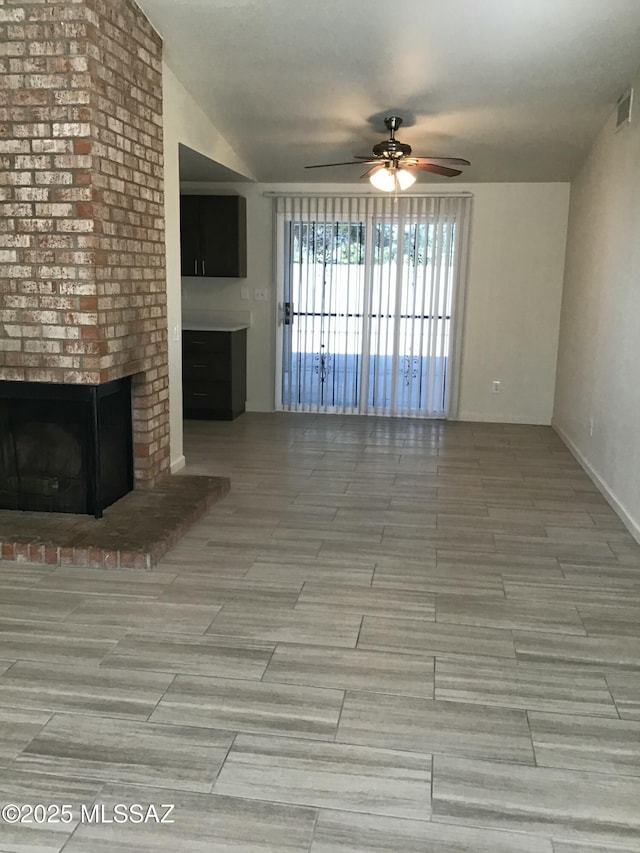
(370, 298)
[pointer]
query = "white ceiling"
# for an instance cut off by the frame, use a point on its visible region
(519, 87)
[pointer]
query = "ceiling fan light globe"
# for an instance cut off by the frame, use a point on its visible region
(384, 180)
(405, 179)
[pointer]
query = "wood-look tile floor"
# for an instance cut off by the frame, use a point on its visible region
(393, 635)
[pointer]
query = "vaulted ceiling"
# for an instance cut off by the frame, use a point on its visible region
(518, 88)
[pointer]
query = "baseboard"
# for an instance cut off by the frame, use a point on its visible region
(476, 417)
(178, 465)
(629, 522)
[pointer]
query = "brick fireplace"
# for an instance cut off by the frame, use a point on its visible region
(82, 255)
(83, 288)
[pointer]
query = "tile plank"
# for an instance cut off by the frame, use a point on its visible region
(187, 654)
(278, 625)
(17, 786)
(391, 603)
(107, 582)
(586, 743)
(18, 727)
(411, 636)
(202, 823)
(321, 571)
(351, 669)
(32, 603)
(404, 576)
(520, 685)
(585, 807)
(340, 832)
(510, 614)
(625, 689)
(599, 653)
(236, 705)
(144, 615)
(579, 847)
(610, 620)
(83, 689)
(216, 591)
(56, 641)
(176, 757)
(332, 775)
(425, 725)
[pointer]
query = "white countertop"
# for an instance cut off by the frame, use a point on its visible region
(216, 321)
(203, 326)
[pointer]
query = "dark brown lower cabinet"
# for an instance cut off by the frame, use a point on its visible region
(214, 374)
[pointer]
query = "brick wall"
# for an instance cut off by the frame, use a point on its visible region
(82, 276)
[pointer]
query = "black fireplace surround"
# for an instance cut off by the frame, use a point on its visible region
(65, 448)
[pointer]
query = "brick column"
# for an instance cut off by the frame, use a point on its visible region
(82, 275)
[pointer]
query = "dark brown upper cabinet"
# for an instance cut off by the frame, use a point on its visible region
(213, 236)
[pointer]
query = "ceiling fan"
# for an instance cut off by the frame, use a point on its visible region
(388, 168)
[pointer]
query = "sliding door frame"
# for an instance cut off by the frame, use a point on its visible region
(371, 217)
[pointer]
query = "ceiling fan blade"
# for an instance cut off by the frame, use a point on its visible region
(442, 161)
(375, 168)
(437, 170)
(349, 163)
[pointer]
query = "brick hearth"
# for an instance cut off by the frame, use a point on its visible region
(133, 534)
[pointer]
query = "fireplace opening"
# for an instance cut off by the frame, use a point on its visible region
(65, 448)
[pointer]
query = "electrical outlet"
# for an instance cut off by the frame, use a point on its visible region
(261, 294)
(496, 387)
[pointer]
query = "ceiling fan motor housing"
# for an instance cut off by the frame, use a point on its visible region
(391, 148)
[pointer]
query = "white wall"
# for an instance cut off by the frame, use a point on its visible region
(514, 290)
(183, 122)
(599, 356)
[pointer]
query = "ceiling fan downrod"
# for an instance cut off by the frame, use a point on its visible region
(392, 123)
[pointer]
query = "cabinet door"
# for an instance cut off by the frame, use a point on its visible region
(224, 236)
(190, 242)
(197, 343)
(214, 374)
(238, 357)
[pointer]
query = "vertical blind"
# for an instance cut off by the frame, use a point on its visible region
(371, 298)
